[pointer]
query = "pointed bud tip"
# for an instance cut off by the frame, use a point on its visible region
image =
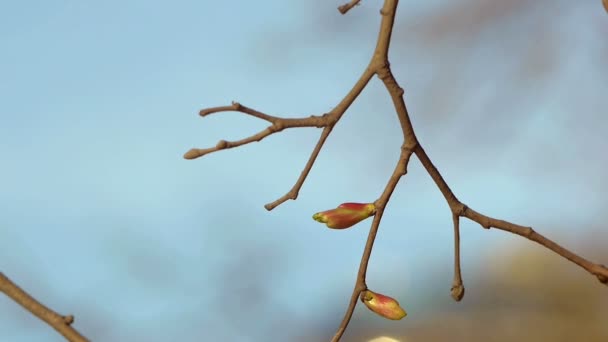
(319, 217)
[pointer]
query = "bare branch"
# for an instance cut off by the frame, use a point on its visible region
(63, 324)
(379, 65)
(347, 6)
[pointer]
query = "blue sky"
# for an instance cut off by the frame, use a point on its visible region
(103, 219)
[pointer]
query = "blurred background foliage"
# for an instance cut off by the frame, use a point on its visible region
(518, 294)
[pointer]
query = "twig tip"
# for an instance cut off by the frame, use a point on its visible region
(192, 154)
(457, 292)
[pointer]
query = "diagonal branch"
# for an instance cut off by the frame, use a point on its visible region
(458, 208)
(598, 270)
(293, 193)
(63, 324)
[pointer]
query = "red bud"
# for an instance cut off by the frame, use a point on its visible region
(345, 215)
(384, 306)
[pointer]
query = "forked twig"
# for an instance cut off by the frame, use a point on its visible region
(326, 121)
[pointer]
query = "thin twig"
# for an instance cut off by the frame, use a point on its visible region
(457, 290)
(293, 193)
(63, 324)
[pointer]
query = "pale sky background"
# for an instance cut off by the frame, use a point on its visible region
(103, 219)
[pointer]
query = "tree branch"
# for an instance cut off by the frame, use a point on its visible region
(379, 65)
(63, 324)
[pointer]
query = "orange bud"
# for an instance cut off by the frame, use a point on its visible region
(384, 306)
(345, 215)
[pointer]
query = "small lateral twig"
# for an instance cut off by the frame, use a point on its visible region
(63, 324)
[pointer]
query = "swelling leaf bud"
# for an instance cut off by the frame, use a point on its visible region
(345, 215)
(384, 306)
